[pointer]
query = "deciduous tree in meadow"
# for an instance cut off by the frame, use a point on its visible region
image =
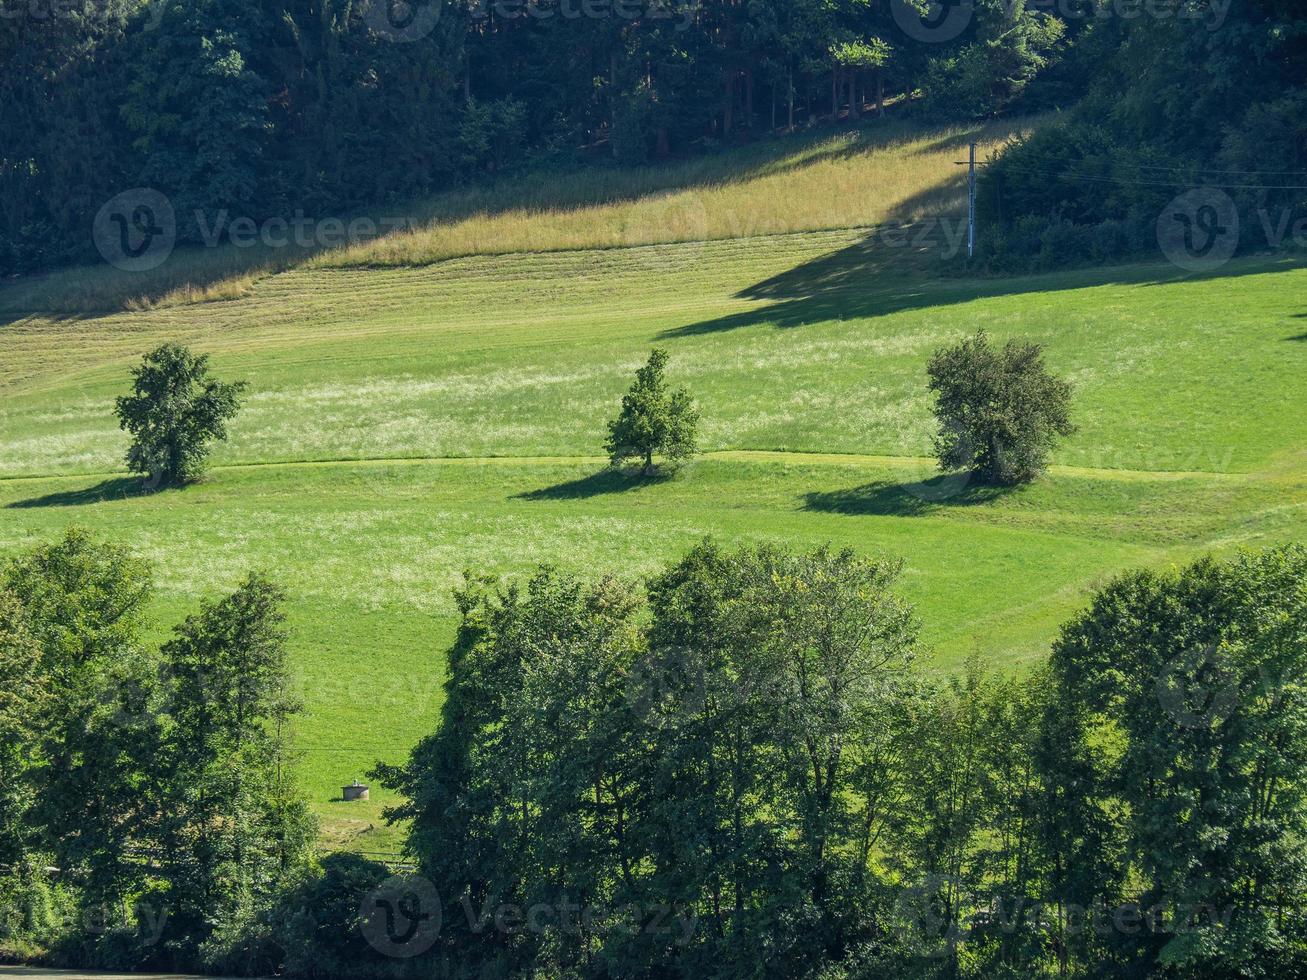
(653, 420)
(1000, 409)
(174, 411)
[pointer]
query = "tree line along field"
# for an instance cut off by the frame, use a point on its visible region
(405, 423)
(892, 171)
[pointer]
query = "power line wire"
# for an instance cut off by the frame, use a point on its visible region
(1156, 183)
(1098, 178)
(1214, 170)
(1194, 170)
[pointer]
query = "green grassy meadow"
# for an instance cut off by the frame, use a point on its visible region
(404, 423)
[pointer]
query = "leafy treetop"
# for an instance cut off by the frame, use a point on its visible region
(174, 411)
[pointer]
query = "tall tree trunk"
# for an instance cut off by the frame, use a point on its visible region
(748, 99)
(880, 92)
(853, 95)
(728, 107)
(790, 123)
(612, 102)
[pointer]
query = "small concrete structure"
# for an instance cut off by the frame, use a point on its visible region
(355, 792)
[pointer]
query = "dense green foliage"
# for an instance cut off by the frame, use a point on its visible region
(700, 765)
(235, 109)
(155, 782)
(734, 771)
(653, 420)
(1198, 95)
(1178, 760)
(174, 411)
(1000, 411)
(239, 111)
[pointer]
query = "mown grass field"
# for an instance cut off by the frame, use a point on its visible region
(405, 423)
(887, 171)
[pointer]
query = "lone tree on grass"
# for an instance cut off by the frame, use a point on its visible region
(1000, 411)
(174, 411)
(653, 420)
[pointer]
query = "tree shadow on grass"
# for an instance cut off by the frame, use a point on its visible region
(885, 498)
(891, 269)
(604, 482)
(118, 488)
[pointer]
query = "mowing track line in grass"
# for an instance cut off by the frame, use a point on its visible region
(744, 455)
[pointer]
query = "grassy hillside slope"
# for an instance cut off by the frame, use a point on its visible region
(406, 423)
(887, 171)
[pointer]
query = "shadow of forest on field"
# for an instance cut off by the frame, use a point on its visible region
(874, 277)
(97, 289)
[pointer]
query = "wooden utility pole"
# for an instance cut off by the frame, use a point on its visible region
(971, 204)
